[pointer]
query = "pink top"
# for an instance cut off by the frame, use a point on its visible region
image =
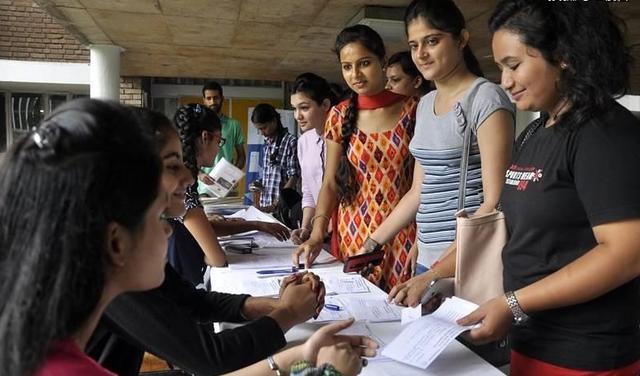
(311, 155)
(66, 358)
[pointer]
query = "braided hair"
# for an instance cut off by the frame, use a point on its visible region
(347, 185)
(190, 121)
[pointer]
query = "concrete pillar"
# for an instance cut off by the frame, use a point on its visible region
(104, 71)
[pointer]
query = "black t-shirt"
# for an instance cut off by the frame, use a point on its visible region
(560, 185)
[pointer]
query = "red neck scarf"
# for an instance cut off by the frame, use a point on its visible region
(383, 99)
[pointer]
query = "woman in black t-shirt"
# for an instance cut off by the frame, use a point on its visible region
(571, 197)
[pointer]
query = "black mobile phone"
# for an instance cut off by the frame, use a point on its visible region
(241, 249)
(358, 262)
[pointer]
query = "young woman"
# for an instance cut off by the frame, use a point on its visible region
(82, 221)
(200, 136)
(404, 78)
(368, 167)
(167, 321)
(440, 48)
(311, 99)
(571, 264)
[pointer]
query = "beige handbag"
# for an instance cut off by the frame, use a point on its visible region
(480, 239)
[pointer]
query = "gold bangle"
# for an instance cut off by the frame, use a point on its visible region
(319, 216)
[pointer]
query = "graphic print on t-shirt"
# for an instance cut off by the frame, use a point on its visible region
(521, 176)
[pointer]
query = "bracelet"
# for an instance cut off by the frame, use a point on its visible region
(371, 245)
(319, 216)
(273, 366)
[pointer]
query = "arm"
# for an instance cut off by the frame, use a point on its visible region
(612, 263)
(198, 225)
(230, 227)
(404, 212)
(292, 166)
(241, 157)
(495, 140)
(327, 202)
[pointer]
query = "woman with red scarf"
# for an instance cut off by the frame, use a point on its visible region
(369, 167)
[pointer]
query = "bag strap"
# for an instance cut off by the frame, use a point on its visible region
(466, 147)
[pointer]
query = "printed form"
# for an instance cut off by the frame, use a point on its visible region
(423, 340)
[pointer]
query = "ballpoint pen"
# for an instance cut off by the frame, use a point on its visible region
(290, 270)
(332, 307)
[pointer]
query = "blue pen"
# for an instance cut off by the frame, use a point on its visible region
(332, 307)
(277, 271)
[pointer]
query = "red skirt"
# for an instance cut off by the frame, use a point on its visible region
(522, 365)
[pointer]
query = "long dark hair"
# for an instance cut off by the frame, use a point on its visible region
(583, 35)
(403, 58)
(88, 165)
(443, 15)
(190, 121)
(264, 113)
(348, 185)
(157, 124)
(314, 87)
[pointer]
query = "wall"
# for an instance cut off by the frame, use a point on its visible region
(28, 33)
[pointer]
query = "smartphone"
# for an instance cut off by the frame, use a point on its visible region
(358, 262)
(241, 249)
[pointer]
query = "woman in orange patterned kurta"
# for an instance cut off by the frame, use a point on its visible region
(369, 167)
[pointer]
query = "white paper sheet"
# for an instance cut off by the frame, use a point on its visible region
(345, 284)
(372, 309)
(262, 259)
(251, 286)
(423, 340)
(410, 315)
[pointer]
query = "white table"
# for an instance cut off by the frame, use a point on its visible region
(456, 359)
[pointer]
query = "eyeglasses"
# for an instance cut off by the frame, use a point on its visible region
(222, 142)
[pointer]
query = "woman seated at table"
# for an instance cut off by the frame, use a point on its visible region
(168, 321)
(195, 243)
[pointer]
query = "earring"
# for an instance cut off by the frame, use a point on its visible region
(563, 65)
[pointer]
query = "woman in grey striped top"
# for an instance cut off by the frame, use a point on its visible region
(439, 47)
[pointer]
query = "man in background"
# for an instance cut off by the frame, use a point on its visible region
(233, 148)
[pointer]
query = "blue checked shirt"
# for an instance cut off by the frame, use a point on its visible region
(279, 164)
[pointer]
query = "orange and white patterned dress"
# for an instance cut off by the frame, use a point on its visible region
(384, 171)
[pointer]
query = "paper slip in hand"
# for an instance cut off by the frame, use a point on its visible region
(423, 340)
(358, 328)
(410, 315)
(225, 176)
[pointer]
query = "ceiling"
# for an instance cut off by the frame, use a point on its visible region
(250, 39)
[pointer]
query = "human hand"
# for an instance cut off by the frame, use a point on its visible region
(299, 299)
(276, 230)
(409, 269)
(205, 178)
(309, 251)
(300, 235)
(342, 357)
(410, 293)
(326, 336)
(317, 286)
(495, 320)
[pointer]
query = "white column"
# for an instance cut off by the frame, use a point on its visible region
(104, 71)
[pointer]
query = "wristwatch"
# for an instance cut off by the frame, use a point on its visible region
(519, 317)
(371, 245)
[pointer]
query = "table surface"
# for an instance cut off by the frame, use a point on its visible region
(456, 359)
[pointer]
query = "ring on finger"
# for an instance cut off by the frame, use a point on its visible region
(365, 362)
